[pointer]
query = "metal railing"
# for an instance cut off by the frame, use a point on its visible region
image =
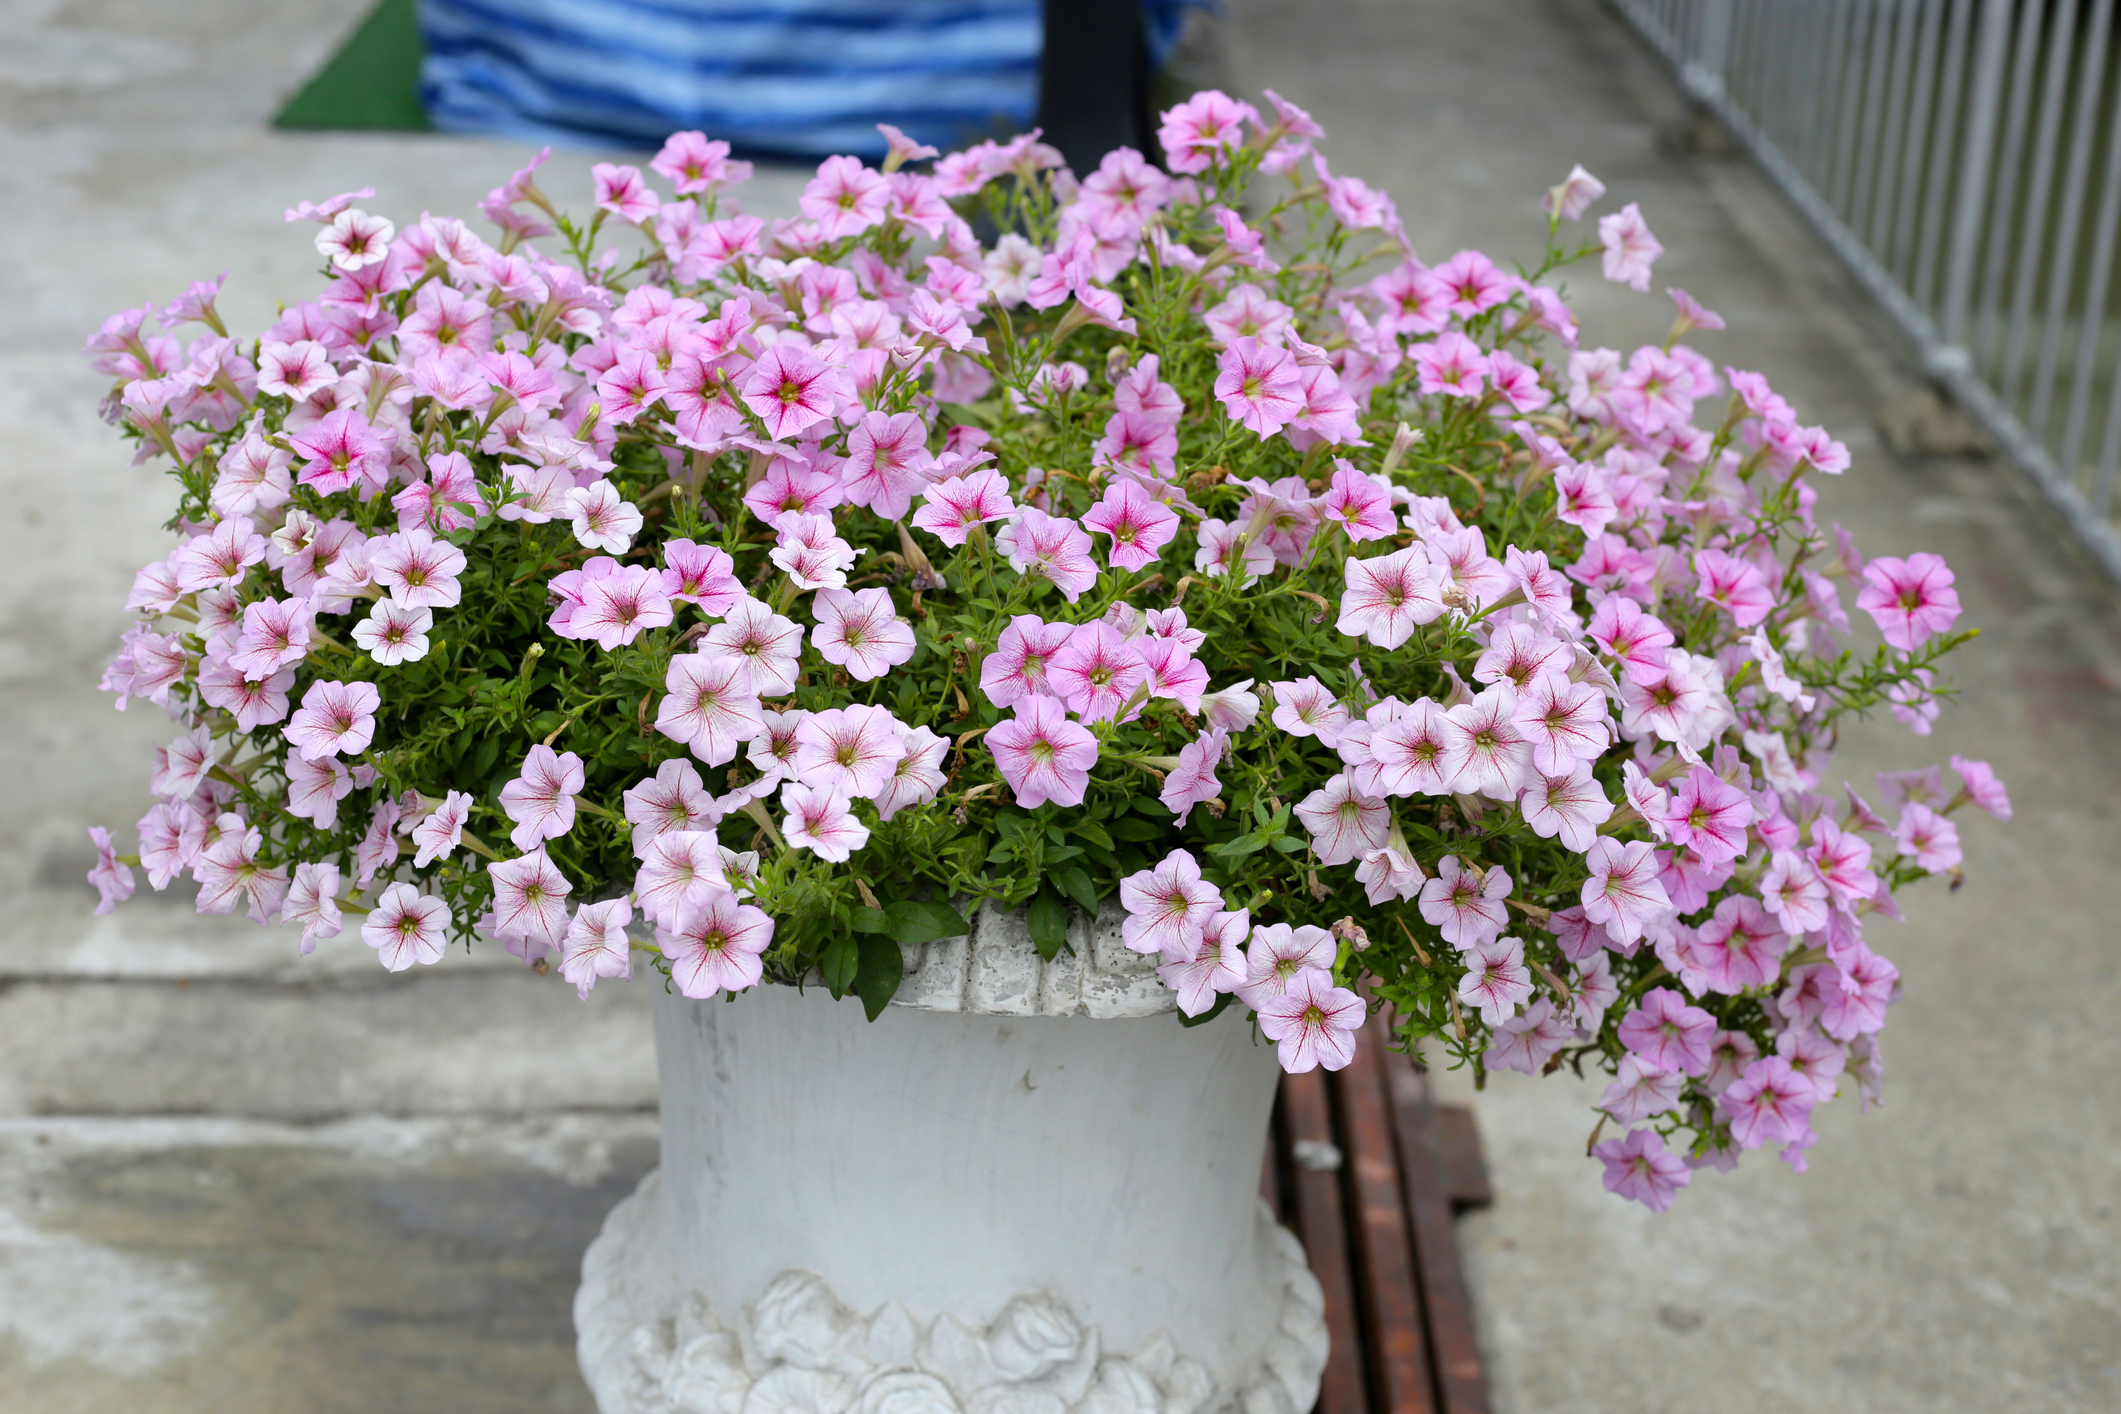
(1964, 158)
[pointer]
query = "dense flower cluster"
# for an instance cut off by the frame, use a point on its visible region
(782, 586)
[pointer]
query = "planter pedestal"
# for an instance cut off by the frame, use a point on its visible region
(1047, 1208)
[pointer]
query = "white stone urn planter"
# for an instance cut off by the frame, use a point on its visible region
(1025, 1189)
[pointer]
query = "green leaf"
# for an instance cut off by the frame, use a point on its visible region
(914, 921)
(838, 963)
(1239, 847)
(1086, 830)
(876, 977)
(1139, 831)
(869, 920)
(1049, 923)
(1075, 883)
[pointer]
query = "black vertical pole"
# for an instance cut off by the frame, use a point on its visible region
(1093, 80)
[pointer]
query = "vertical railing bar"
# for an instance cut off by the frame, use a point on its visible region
(1973, 183)
(1833, 59)
(2062, 266)
(2091, 316)
(1898, 105)
(2005, 213)
(2033, 229)
(1877, 109)
(1805, 58)
(1937, 190)
(1897, 255)
(2109, 448)
(1848, 116)
(2099, 536)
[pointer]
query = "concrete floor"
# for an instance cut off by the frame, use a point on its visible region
(235, 1180)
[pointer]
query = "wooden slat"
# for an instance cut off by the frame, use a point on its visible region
(1398, 1352)
(1465, 1171)
(1461, 1382)
(1322, 1224)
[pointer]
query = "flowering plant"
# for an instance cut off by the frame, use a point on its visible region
(773, 585)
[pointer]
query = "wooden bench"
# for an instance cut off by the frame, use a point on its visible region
(1369, 1172)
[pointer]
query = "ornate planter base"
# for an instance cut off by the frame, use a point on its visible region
(1025, 1189)
(798, 1349)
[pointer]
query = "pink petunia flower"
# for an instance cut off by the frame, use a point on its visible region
(672, 799)
(1638, 1166)
(822, 819)
(1053, 547)
(851, 750)
(1630, 249)
(702, 575)
(790, 487)
(1167, 907)
(1216, 965)
(1313, 1023)
(953, 506)
(1733, 585)
(1770, 1104)
(1139, 524)
(229, 873)
(1259, 385)
(1016, 669)
(887, 462)
(1277, 955)
(312, 902)
(1389, 596)
(1709, 816)
(769, 644)
(692, 163)
(845, 198)
(541, 799)
(1667, 1032)
(1451, 364)
(439, 833)
(1097, 673)
(678, 868)
(1641, 1089)
(1487, 750)
(1927, 838)
(716, 945)
(354, 239)
(394, 634)
(1980, 785)
(624, 192)
(223, 556)
(860, 630)
(1344, 824)
(1909, 599)
(1389, 873)
(1201, 131)
(1358, 504)
(276, 634)
(113, 880)
(407, 926)
(1466, 904)
(1496, 979)
(792, 389)
(315, 788)
(1623, 892)
(335, 719)
(1042, 755)
(1567, 201)
(603, 520)
(918, 776)
(1193, 781)
(1570, 806)
(596, 945)
(710, 706)
(1307, 707)
(1794, 892)
(811, 552)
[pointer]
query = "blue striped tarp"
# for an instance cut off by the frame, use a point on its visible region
(800, 78)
